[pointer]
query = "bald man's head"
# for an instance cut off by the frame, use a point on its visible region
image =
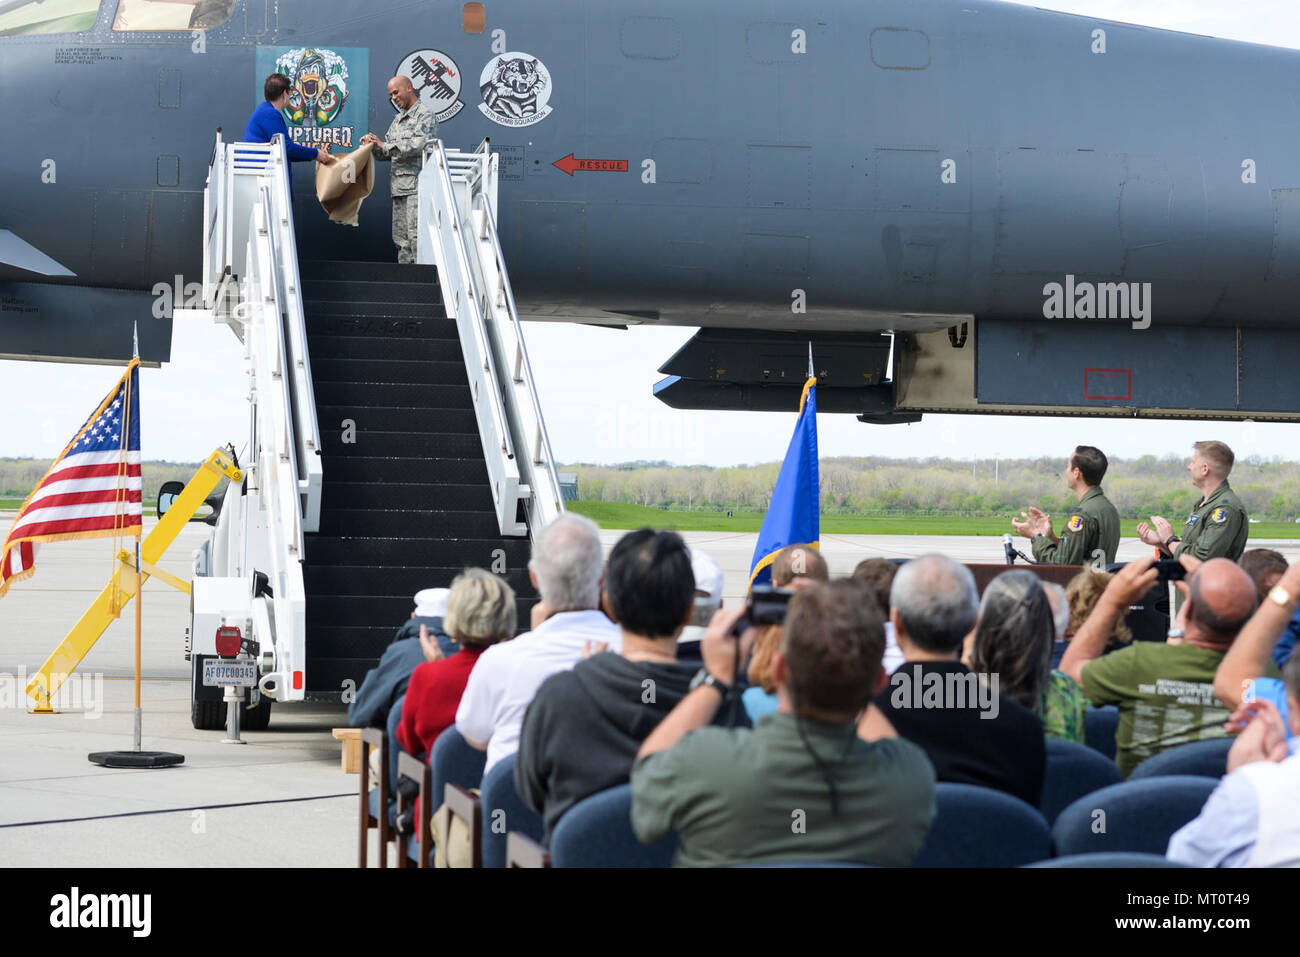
(402, 92)
(1222, 598)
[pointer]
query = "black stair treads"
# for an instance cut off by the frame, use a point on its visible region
(402, 394)
(368, 641)
(451, 498)
(388, 371)
(331, 417)
(364, 443)
(314, 290)
(405, 503)
(385, 347)
(367, 271)
(377, 319)
(388, 580)
(454, 553)
(326, 676)
(411, 469)
(406, 523)
(341, 610)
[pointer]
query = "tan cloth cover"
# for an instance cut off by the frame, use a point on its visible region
(341, 188)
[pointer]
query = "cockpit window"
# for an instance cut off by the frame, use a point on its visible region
(29, 17)
(172, 14)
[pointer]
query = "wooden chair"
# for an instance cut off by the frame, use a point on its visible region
(374, 738)
(461, 804)
(523, 851)
(418, 771)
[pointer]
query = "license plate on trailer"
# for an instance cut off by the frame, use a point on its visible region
(229, 674)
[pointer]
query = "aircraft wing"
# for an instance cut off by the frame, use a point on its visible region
(15, 252)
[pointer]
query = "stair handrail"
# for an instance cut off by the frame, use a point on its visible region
(550, 505)
(444, 241)
(227, 202)
(274, 476)
(252, 282)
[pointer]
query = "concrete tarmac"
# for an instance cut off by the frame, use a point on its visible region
(281, 799)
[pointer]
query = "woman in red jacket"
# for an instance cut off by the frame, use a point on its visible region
(480, 612)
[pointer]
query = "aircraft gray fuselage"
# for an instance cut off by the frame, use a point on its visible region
(904, 164)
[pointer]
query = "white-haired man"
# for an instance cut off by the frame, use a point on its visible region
(567, 569)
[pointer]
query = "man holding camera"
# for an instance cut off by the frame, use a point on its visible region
(801, 786)
(1091, 533)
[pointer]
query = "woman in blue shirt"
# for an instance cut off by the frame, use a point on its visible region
(268, 119)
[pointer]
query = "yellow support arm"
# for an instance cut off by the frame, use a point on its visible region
(107, 607)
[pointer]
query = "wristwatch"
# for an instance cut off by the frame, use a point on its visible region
(702, 677)
(1171, 539)
(1281, 596)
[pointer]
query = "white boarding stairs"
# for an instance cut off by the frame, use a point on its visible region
(458, 234)
(251, 282)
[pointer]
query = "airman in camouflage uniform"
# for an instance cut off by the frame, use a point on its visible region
(1091, 533)
(403, 145)
(1218, 525)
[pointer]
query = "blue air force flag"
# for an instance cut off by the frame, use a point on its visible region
(793, 514)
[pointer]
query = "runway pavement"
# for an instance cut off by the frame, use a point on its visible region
(280, 799)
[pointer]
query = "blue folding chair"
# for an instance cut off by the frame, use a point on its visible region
(1073, 771)
(1099, 727)
(1134, 817)
(1207, 759)
(1115, 859)
(981, 827)
(597, 832)
(503, 811)
(453, 761)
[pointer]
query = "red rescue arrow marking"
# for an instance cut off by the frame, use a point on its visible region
(568, 164)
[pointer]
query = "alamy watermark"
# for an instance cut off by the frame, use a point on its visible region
(1105, 300)
(914, 687)
(83, 693)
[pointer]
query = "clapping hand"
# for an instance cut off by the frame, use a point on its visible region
(1156, 533)
(432, 650)
(1036, 522)
(1264, 738)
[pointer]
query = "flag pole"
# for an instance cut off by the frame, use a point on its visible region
(139, 569)
(136, 758)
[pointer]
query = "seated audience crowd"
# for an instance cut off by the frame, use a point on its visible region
(823, 737)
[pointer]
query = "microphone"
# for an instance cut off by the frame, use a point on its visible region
(1008, 549)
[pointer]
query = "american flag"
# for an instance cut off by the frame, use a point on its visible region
(91, 491)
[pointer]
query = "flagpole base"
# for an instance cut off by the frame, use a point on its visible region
(136, 759)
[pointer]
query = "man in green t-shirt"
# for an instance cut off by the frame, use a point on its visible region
(801, 786)
(1165, 691)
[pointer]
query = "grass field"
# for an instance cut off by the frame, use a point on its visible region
(619, 515)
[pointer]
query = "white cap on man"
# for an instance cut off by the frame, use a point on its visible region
(708, 579)
(432, 602)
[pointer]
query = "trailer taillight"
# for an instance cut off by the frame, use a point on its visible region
(228, 641)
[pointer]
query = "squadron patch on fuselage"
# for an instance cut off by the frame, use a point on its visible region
(437, 79)
(516, 89)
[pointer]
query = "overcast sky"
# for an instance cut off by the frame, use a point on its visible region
(596, 383)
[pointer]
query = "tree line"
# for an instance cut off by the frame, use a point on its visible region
(19, 476)
(1270, 489)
